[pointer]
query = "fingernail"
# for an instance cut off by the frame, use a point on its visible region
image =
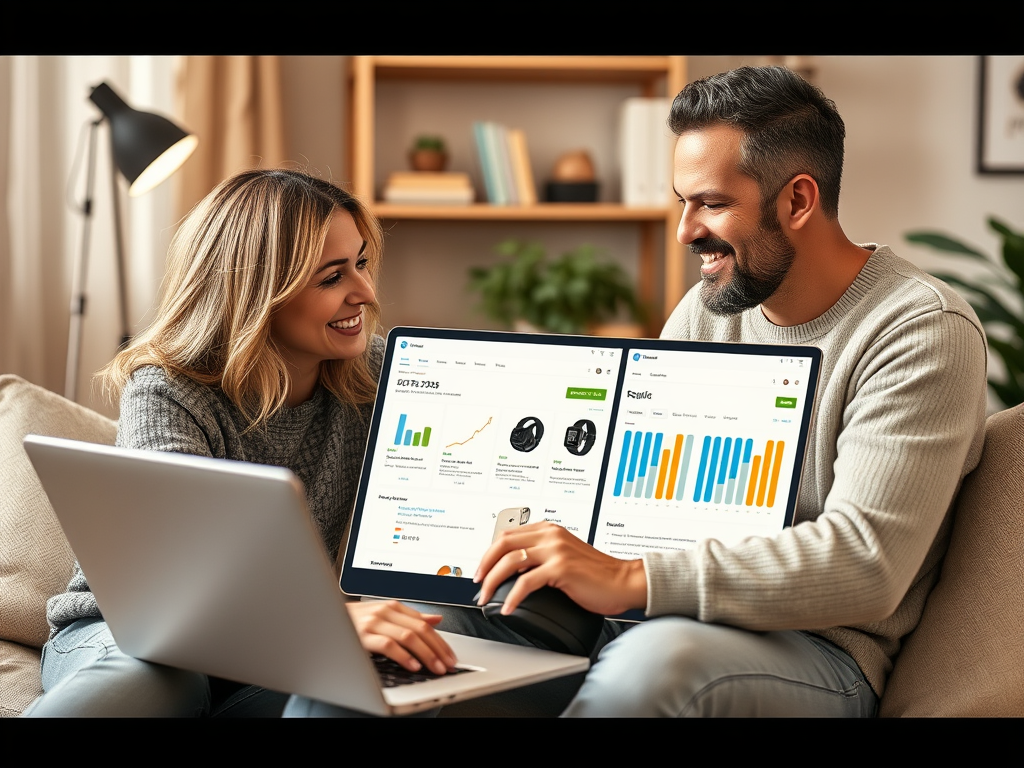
(439, 667)
(416, 666)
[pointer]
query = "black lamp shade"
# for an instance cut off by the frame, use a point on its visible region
(140, 139)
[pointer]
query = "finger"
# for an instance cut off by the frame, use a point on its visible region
(416, 634)
(509, 541)
(528, 582)
(514, 562)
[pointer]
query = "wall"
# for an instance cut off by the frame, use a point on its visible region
(910, 158)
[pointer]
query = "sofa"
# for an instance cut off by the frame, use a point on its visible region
(963, 659)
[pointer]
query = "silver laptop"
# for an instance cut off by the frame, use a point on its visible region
(215, 566)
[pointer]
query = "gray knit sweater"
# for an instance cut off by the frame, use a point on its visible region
(899, 422)
(322, 441)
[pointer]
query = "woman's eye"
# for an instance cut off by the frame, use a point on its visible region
(331, 279)
(361, 264)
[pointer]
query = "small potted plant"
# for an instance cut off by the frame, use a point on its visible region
(428, 153)
(575, 293)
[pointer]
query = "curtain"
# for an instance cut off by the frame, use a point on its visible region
(234, 105)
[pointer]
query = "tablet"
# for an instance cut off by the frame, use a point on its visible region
(630, 444)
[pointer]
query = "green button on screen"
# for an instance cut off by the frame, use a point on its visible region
(585, 393)
(785, 402)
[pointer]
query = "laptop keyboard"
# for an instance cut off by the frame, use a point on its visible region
(393, 674)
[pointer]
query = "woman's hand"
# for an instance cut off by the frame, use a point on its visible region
(547, 554)
(402, 634)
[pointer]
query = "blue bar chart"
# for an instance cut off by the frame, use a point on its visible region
(726, 472)
(405, 436)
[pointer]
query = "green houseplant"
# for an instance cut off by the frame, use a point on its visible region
(1003, 320)
(570, 294)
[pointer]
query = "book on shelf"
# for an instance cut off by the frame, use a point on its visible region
(429, 188)
(645, 151)
(504, 164)
(521, 167)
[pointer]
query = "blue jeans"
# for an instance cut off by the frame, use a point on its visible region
(84, 673)
(674, 666)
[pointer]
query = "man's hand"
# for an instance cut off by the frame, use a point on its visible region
(547, 554)
(394, 630)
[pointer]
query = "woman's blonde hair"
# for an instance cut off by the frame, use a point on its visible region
(242, 253)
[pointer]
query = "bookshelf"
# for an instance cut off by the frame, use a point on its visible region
(660, 276)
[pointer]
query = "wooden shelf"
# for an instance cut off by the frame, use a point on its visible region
(606, 69)
(539, 212)
(655, 76)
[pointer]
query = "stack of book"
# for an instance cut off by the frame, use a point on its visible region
(429, 188)
(645, 151)
(505, 164)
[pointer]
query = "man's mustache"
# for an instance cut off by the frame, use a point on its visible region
(711, 245)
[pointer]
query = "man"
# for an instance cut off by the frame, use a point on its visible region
(806, 622)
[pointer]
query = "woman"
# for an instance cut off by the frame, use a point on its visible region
(263, 350)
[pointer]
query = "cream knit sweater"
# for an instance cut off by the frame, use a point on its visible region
(899, 422)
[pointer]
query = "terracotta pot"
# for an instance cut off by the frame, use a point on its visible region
(428, 160)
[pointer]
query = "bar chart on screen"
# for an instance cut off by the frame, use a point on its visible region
(703, 448)
(726, 472)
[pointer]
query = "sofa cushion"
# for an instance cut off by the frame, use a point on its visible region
(19, 678)
(964, 658)
(35, 559)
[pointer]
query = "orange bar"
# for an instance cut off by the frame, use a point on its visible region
(762, 484)
(674, 469)
(752, 483)
(776, 466)
(661, 474)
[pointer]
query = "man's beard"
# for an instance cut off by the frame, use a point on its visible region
(768, 249)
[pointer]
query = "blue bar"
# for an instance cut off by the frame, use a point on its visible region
(622, 463)
(644, 453)
(741, 484)
(700, 468)
(722, 469)
(408, 437)
(631, 476)
(710, 484)
(652, 478)
(401, 430)
(737, 449)
(736, 458)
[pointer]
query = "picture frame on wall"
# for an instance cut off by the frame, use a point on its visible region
(1001, 115)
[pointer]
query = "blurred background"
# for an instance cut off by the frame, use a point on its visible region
(911, 164)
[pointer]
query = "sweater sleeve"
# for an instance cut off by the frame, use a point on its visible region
(158, 416)
(910, 414)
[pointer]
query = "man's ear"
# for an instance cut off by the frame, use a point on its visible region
(798, 200)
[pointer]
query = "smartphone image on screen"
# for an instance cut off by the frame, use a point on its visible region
(510, 517)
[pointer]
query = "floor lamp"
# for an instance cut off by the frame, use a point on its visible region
(146, 149)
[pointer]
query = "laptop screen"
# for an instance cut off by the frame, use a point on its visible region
(630, 444)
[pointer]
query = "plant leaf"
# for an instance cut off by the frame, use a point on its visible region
(941, 242)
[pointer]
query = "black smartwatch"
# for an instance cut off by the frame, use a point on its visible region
(527, 434)
(580, 437)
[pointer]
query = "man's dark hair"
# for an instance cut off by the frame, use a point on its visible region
(789, 127)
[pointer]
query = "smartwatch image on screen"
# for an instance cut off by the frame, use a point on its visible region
(527, 434)
(580, 437)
